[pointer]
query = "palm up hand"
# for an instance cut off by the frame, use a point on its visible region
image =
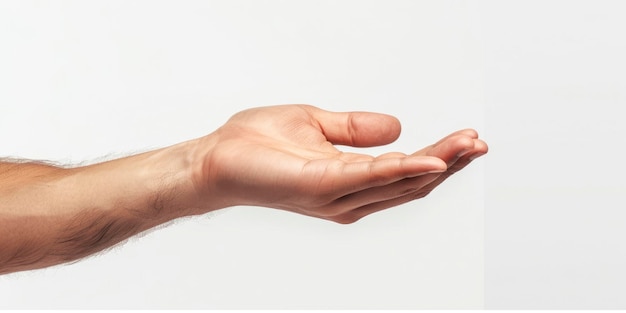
(284, 157)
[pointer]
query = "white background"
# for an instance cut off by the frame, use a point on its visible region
(555, 91)
(543, 81)
(81, 80)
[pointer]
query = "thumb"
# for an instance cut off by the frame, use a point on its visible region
(357, 129)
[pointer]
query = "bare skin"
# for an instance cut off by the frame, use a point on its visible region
(281, 157)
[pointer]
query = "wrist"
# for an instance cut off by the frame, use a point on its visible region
(204, 175)
(164, 182)
(182, 180)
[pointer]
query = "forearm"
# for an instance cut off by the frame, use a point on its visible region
(51, 215)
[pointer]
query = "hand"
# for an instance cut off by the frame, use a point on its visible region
(284, 157)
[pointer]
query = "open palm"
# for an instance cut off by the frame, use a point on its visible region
(285, 157)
